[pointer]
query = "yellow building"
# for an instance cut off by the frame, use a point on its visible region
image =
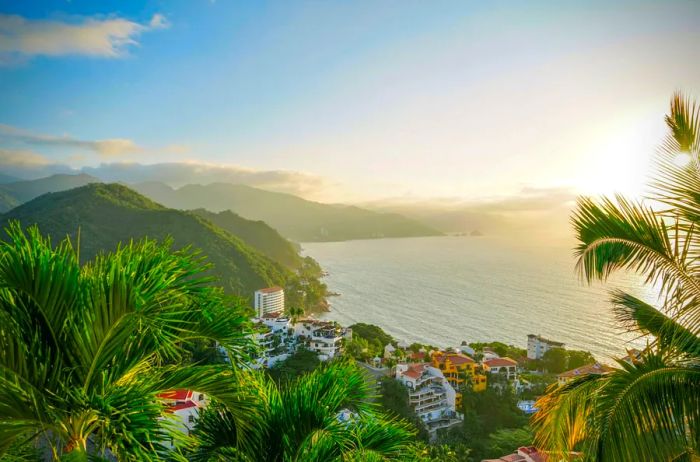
(456, 367)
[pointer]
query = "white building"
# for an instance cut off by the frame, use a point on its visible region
(537, 346)
(505, 366)
(269, 301)
(324, 337)
(275, 340)
(430, 395)
(182, 407)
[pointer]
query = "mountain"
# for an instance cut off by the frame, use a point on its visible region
(19, 192)
(295, 218)
(256, 234)
(108, 214)
(4, 179)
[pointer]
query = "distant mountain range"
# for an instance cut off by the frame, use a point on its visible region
(15, 193)
(108, 214)
(295, 218)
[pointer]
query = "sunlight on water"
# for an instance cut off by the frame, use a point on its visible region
(443, 290)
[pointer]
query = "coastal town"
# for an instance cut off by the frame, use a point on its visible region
(434, 379)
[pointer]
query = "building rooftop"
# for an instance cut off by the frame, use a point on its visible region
(176, 395)
(500, 362)
(414, 371)
(455, 358)
(596, 368)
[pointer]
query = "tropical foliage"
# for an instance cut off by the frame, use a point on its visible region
(325, 415)
(647, 409)
(85, 350)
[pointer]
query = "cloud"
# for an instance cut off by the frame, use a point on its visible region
(108, 37)
(181, 173)
(106, 148)
(21, 159)
(22, 163)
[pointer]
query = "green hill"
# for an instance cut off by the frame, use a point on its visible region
(294, 217)
(256, 234)
(107, 214)
(18, 192)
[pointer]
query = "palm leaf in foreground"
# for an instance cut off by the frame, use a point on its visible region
(300, 422)
(84, 351)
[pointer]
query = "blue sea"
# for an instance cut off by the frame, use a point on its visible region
(445, 290)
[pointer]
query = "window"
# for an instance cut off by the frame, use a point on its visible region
(201, 397)
(190, 418)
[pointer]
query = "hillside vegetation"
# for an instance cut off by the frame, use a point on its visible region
(107, 214)
(256, 234)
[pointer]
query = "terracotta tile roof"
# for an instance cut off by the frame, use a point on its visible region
(500, 362)
(417, 356)
(455, 358)
(269, 290)
(177, 395)
(596, 368)
(414, 371)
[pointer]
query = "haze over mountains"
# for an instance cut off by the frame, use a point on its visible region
(293, 217)
(534, 214)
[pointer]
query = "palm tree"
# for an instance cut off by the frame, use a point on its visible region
(85, 350)
(647, 409)
(295, 313)
(301, 422)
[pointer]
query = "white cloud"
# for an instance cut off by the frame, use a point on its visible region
(106, 148)
(20, 158)
(108, 37)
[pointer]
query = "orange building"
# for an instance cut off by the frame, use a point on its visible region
(456, 367)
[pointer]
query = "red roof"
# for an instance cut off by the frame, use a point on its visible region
(269, 290)
(177, 395)
(414, 371)
(181, 406)
(417, 356)
(500, 362)
(455, 358)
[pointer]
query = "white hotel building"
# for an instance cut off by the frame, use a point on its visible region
(269, 301)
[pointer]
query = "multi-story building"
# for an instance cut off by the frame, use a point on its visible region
(275, 340)
(430, 395)
(597, 369)
(324, 337)
(457, 369)
(505, 366)
(269, 301)
(537, 346)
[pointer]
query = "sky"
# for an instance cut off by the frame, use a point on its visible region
(348, 101)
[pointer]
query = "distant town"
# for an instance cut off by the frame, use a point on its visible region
(434, 378)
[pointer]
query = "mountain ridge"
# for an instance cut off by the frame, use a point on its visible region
(108, 214)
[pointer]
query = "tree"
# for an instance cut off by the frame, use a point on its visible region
(555, 360)
(301, 362)
(578, 358)
(650, 408)
(301, 421)
(507, 440)
(85, 350)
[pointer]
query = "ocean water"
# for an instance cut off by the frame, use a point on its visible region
(443, 290)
